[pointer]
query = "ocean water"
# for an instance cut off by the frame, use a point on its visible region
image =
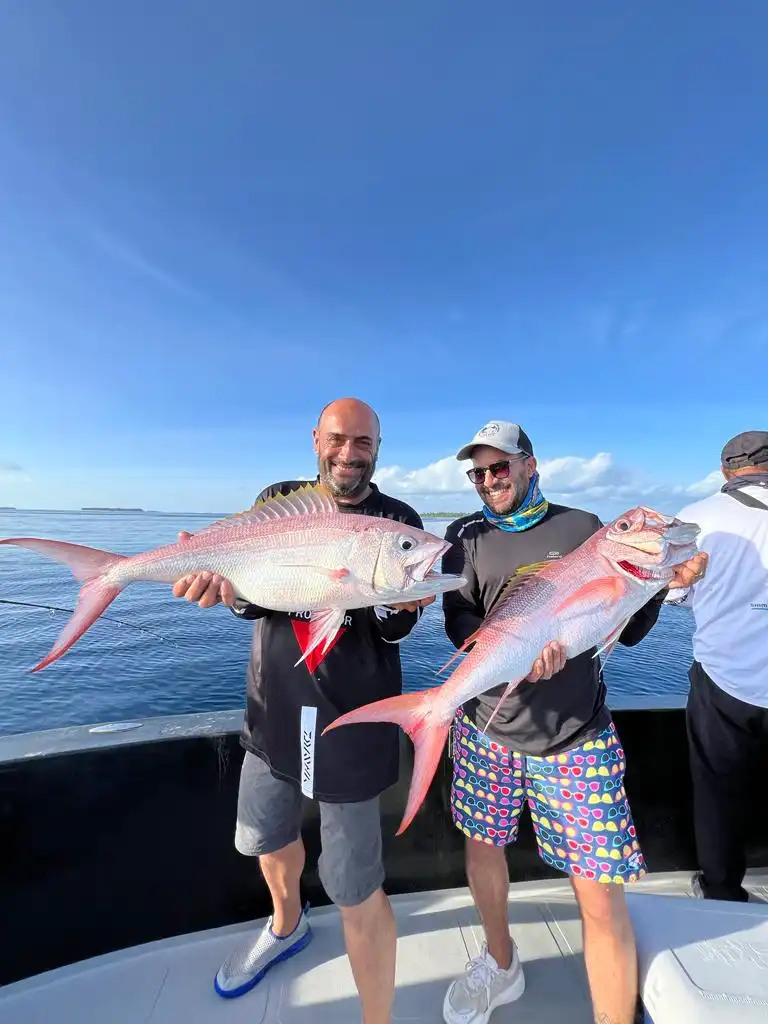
(166, 656)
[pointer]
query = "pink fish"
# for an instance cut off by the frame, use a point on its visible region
(288, 553)
(583, 600)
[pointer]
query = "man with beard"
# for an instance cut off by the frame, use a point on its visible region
(552, 742)
(288, 706)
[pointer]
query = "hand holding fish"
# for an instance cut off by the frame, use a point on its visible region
(549, 662)
(205, 589)
(690, 572)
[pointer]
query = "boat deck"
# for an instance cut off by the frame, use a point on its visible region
(170, 981)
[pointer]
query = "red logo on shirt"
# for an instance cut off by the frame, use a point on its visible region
(318, 656)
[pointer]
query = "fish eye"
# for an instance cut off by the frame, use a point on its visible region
(406, 543)
(623, 525)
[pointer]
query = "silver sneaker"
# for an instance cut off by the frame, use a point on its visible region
(473, 997)
(246, 966)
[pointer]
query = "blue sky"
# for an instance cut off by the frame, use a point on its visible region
(216, 218)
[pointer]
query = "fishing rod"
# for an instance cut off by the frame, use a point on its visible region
(70, 611)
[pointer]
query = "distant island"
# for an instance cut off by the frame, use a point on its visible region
(443, 515)
(218, 515)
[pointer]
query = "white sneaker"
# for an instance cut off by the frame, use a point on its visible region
(473, 997)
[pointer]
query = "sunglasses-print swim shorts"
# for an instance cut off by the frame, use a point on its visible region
(577, 801)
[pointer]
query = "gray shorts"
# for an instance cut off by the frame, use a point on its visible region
(269, 814)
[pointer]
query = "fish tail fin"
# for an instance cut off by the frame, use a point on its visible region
(421, 716)
(88, 565)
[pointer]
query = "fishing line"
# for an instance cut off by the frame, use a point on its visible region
(109, 618)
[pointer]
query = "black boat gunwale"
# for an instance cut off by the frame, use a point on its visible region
(121, 833)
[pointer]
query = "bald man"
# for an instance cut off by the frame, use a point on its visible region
(288, 706)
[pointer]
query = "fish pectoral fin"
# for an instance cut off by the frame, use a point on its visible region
(323, 627)
(459, 651)
(502, 698)
(604, 590)
(611, 640)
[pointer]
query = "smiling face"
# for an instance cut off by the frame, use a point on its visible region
(346, 442)
(505, 482)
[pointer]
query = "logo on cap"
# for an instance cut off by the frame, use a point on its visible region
(489, 430)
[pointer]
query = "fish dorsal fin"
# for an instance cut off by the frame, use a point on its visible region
(519, 579)
(313, 499)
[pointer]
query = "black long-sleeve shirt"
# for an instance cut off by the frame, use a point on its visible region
(553, 714)
(289, 705)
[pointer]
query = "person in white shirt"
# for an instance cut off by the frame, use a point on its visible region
(727, 708)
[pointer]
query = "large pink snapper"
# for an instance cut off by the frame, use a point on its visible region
(288, 553)
(583, 600)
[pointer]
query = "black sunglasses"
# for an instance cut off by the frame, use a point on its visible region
(499, 470)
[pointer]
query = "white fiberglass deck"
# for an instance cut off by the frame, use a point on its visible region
(718, 947)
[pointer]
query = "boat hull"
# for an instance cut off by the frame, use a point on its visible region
(123, 834)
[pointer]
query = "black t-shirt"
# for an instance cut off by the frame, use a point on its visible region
(289, 705)
(553, 714)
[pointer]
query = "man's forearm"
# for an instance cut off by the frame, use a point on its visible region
(643, 621)
(395, 624)
(461, 618)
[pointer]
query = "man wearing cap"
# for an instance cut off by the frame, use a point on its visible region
(552, 742)
(727, 711)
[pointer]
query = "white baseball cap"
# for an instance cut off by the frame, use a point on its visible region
(508, 437)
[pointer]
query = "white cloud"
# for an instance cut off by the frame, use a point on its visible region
(594, 481)
(703, 488)
(446, 476)
(572, 474)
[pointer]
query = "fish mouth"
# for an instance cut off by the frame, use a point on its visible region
(665, 570)
(683, 534)
(433, 584)
(648, 547)
(636, 570)
(425, 570)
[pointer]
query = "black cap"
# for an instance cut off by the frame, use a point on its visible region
(747, 449)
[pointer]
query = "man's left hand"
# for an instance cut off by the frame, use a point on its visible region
(412, 606)
(688, 573)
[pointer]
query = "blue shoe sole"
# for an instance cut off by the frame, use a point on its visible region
(285, 955)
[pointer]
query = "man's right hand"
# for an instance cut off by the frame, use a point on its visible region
(549, 662)
(204, 588)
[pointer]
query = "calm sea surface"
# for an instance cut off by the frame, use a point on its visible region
(185, 659)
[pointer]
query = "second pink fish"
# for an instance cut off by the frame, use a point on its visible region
(583, 600)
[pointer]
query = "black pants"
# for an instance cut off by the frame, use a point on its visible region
(724, 737)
